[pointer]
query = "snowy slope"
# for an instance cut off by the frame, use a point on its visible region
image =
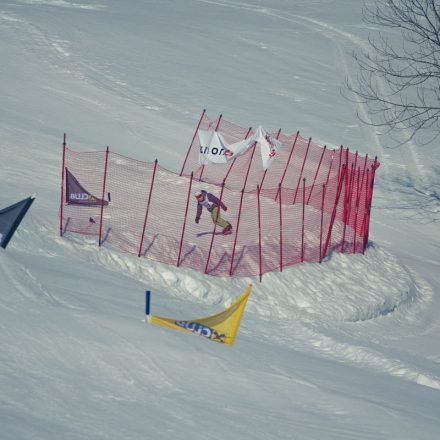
(346, 349)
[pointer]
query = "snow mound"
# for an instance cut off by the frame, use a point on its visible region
(344, 288)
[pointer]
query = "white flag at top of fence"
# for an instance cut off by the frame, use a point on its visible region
(269, 146)
(212, 147)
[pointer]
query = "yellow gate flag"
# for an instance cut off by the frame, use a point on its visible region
(220, 328)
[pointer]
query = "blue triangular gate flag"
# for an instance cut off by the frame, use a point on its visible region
(76, 194)
(11, 217)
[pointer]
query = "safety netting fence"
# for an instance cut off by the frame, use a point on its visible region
(311, 201)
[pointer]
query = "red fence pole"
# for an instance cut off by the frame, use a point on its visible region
(347, 207)
(233, 162)
(347, 152)
(303, 218)
(288, 160)
(215, 227)
(102, 197)
(184, 220)
(340, 162)
(355, 160)
(265, 171)
(358, 199)
(281, 228)
(316, 173)
(231, 270)
(373, 173)
(351, 190)
(192, 141)
(363, 230)
(330, 168)
(322, 223)
(362, 180)
(216, 128)
(62, 186)
(356, 209)
(249, 167)
(148, 208)
(302, 169)
(335, 206)
(259, 234)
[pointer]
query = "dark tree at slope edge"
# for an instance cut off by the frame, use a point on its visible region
(399, 76)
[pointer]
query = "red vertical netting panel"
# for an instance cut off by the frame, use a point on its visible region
(236, 231)
(147, 210)
(185, 218)
(127, 187)
(104, 181)
(192, 141)
(334, 233)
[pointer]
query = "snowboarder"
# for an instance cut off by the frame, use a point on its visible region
(212, 204)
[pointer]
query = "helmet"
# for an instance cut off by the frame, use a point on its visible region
(198, 193)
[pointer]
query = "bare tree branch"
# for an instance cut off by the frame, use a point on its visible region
(399, 74)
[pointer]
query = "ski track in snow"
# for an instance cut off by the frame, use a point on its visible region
(63, 4)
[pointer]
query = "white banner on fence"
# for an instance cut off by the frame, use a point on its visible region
(269, 146)
(214, 149)
(239, 148)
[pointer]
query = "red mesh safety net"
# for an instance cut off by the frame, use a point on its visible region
(311, 201)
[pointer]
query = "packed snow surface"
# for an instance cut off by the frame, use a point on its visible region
(340, 350)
